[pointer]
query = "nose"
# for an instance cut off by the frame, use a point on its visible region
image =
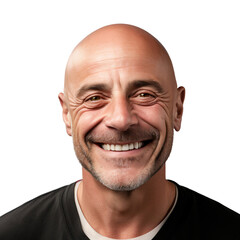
(120, 115)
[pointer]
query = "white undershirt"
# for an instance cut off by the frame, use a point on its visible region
(93, 235)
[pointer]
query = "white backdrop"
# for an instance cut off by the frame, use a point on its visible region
(202, 38)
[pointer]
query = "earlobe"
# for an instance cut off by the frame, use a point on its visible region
(179, 108)
(66, 114)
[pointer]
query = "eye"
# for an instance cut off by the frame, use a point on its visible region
(95, 101)
(94, 98)
(143, 95)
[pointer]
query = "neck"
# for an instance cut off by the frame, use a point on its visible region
(125, 214)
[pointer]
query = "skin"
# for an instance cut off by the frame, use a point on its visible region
(120, 89)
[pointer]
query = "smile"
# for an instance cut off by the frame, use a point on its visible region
(123, 147)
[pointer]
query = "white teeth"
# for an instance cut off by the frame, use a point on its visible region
(104, 146)
(112, 147)
(118, 148)
(125, 147)
(131, 146)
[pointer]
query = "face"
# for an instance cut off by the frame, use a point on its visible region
(122, 109)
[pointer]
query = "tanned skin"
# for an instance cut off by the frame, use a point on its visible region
(120, 89)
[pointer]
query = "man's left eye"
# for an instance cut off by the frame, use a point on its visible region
(143, 98)
(145, 95)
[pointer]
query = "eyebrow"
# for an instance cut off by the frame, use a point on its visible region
(145, 83)
(132, 85)
(92, 87)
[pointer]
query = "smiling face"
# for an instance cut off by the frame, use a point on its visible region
(120, 105)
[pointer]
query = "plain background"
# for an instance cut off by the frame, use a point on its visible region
(202, 38)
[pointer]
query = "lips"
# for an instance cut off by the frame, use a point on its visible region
(122, 147)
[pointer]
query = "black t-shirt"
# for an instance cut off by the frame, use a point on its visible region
(53, 216)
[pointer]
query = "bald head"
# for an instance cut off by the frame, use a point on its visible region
(120, 89)
(116, 42)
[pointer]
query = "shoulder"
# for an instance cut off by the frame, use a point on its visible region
(29, 219)
(205, 217)
(202, 205)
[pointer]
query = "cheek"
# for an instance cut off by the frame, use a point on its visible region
(85, 120)
(154, 115)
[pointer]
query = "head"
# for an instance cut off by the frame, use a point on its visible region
(121, 105)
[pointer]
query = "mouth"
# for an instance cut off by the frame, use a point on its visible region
(123, 147)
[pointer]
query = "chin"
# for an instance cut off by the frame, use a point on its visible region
(122, 179)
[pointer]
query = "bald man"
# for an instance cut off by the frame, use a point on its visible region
(121, 105)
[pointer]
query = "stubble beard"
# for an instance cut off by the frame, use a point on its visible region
(160, 159)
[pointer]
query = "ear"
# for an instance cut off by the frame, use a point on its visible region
(178, 110)
(66, 114)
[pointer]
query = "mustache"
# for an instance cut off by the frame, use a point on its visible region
(130, 135)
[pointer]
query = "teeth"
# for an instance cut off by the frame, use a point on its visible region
(131, 146)
(118, 148)
(125, 147)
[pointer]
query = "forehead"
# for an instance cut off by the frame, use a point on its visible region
(118, 56)
(121, 70)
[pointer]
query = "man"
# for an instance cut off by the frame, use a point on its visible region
(121, 104)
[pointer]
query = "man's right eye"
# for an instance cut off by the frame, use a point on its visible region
(94, 98)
